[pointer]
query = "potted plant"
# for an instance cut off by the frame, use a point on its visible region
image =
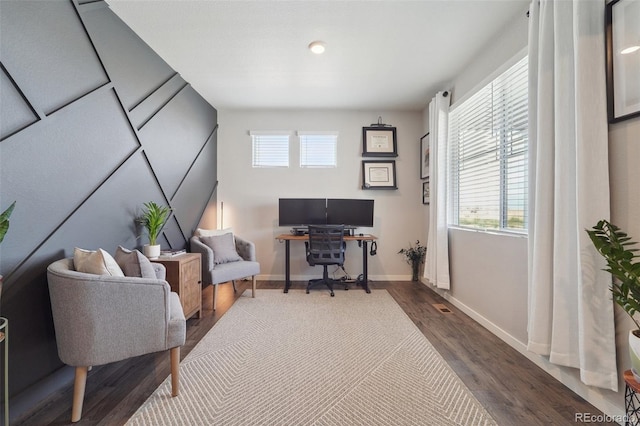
(622, 262)
(153, 218)
(4, 227)
(414, 255)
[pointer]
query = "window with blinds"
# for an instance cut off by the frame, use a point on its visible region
(270, 149)
(318, 149)
(488, 154)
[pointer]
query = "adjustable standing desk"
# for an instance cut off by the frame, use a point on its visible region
(363, 239)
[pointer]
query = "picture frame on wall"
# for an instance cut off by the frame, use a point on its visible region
(424, 156)
(379, 142)
(426, 198)
(379, 174)
(623, 59)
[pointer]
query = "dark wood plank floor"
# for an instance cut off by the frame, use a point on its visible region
(513, 389)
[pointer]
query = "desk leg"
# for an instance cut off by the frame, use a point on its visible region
(287, 266)
(365, 267)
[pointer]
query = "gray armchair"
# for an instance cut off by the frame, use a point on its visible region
(101, 319)
(216, 273)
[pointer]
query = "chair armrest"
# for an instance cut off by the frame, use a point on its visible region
(160, 270)
(102, 319)
(207, 259)
(246, 249)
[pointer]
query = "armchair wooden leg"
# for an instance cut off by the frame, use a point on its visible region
(175, 370)
(78, 393)
(215, 295)
(253, 286)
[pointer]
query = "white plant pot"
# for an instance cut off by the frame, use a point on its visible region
(634, 354)
(152, 252)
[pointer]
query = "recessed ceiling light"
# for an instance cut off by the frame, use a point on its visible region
(317, 47)
(630, 50)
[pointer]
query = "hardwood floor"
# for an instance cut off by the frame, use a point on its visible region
(513, 389)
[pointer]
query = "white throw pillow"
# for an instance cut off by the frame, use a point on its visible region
(97, 262)
(201, 232)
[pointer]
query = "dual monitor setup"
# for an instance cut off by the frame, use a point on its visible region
(302, 212)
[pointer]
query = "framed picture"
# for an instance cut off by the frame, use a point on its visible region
(424, 156)
(379, 174)
(379, 142)
(623, 59)
(425, 192)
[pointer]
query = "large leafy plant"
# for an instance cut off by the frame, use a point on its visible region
(153, 218)
(4, 220)
(622, 262)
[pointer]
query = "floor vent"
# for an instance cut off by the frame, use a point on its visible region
(442, 308)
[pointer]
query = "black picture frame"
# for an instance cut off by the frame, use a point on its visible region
(424, 156)
(426, 195)
(378, 141)
(379, 174)
(623, 84)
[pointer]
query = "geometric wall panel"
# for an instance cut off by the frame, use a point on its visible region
(94, 225)
(192, 197)
(77, 84)
(15, 113)
(50, 71)
(170, 144)
(145, 110)
(53, 165)
(135, 69)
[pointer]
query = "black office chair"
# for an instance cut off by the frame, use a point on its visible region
(325, 247)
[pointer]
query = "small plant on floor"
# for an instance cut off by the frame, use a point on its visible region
(414, 255)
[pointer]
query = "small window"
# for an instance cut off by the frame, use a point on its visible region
(318, 149)
(270, 149)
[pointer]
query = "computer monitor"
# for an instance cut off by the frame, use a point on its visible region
(302, 211)
(350, 212)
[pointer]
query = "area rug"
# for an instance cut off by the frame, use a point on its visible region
(312, 359)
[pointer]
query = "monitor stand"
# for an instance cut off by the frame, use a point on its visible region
(299, 230)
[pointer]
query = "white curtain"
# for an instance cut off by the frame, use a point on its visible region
(570, 307)
(437, 265)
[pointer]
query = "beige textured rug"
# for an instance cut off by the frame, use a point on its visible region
(312, 359)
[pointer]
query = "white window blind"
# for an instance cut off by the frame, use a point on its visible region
(318, 149)
(488, 156)
(270, 149)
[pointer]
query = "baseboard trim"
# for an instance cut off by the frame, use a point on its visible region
(571, 381)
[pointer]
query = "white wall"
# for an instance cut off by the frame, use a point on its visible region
(489, 272)
(250, 195)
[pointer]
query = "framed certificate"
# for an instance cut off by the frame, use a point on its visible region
(379, 142)
(379, 174)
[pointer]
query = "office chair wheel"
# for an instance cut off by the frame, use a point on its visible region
(307, 291)
(332, 294)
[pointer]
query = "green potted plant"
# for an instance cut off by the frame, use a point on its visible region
(624, 264)
(414, 255)
(4, 227)
(153, 218)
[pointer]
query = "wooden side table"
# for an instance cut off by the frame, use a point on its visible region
(184, 275)
(631, 400)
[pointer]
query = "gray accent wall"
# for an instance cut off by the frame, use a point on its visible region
(93, 123)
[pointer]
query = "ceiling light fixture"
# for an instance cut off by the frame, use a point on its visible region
(630, 49)
(317, 47)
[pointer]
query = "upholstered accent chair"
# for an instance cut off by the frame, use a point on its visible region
(100, 319)
(226, 257)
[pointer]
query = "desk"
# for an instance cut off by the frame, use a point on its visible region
(363, 239)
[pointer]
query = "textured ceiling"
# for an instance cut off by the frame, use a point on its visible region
(386, 54)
